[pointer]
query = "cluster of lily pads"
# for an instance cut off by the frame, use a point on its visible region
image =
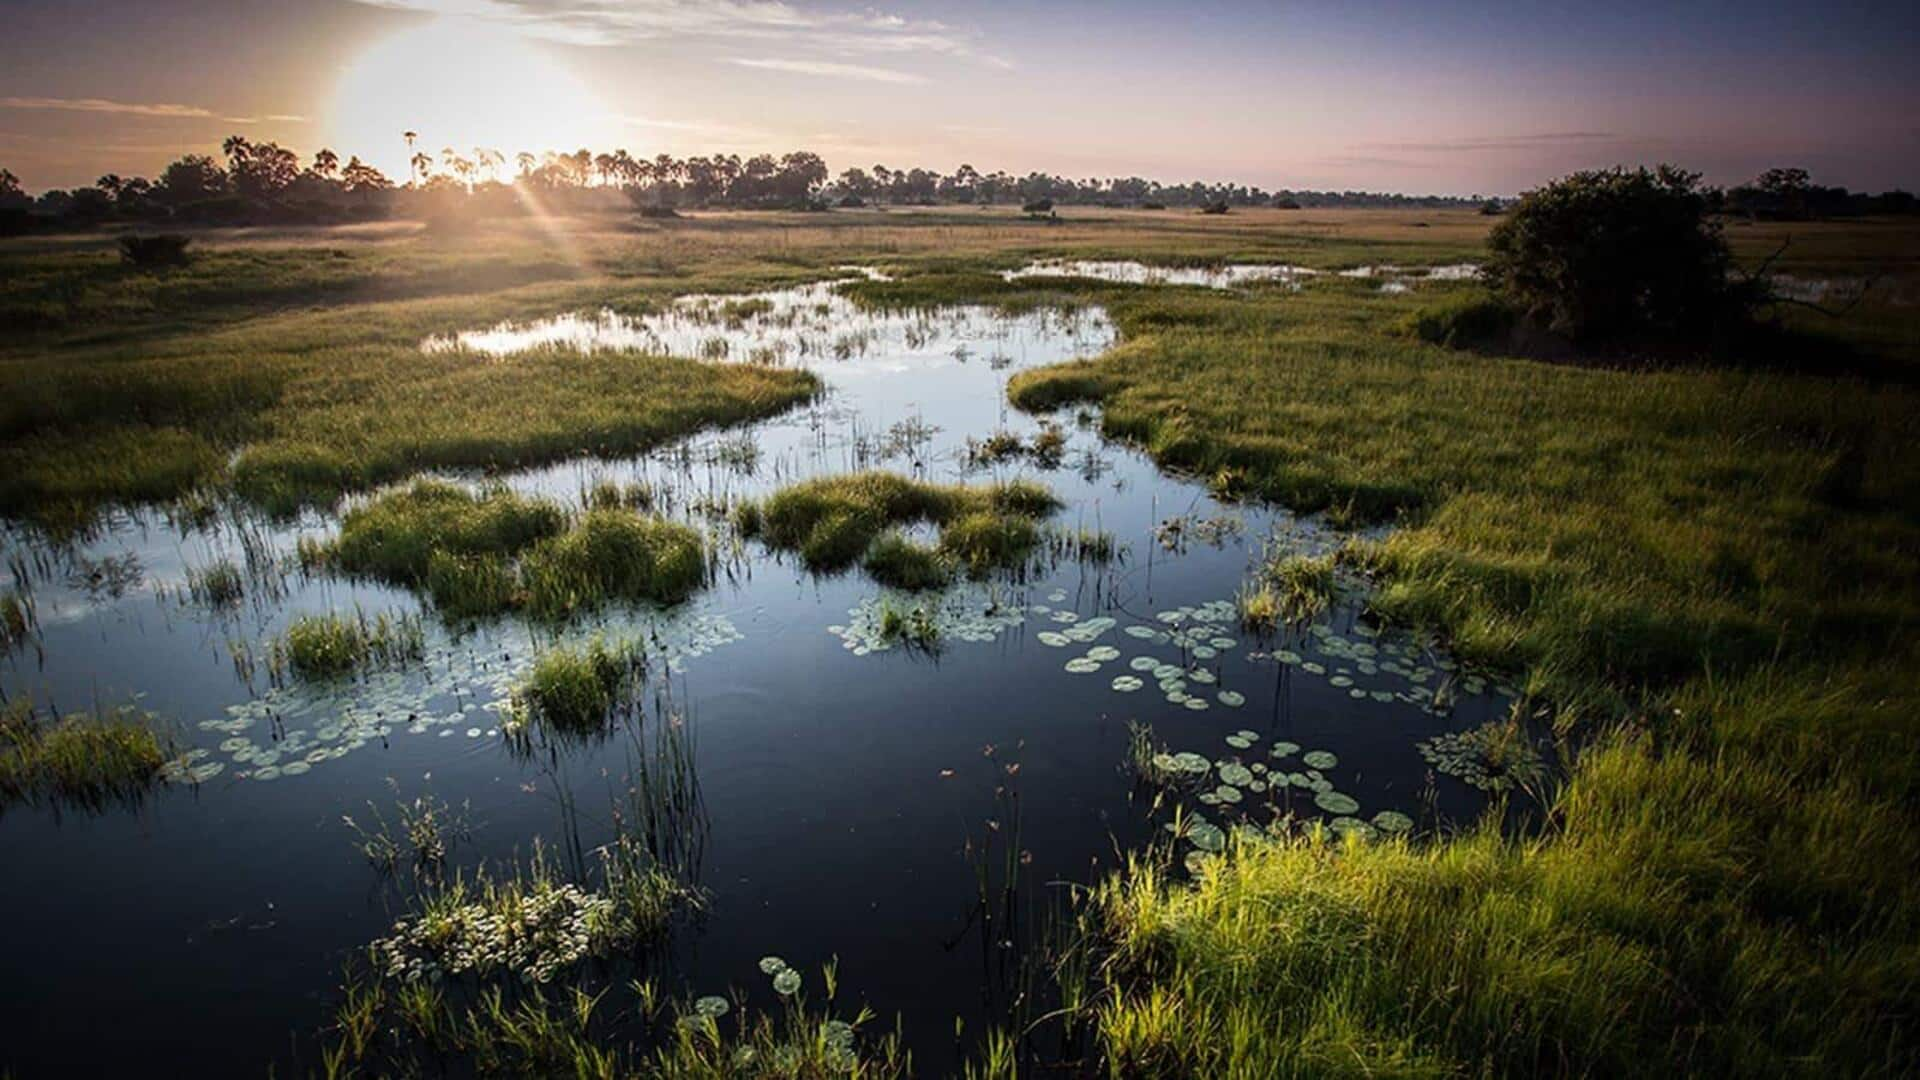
(1369, 668)
(1245, 776)
(460, 691)
(1491, 758)
(551, 929)
(1199, 633)
(972, 611)
(836, 1036)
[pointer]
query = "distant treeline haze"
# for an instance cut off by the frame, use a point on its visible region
(265, 182)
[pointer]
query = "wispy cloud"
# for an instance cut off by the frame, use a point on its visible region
(1482, 143)
(1368, 161)
(600, 22)
(830, 69)
(162, 110)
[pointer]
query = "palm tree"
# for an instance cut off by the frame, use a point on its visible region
(422, 164)
(412, 158)
(490, 160)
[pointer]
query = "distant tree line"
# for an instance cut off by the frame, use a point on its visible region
(266, 183)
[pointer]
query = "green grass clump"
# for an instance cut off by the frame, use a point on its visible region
(1288, 588)
(984, 540)
(914, 627)
(483, 553)
(218, 585)
(575, 690)
(395, 537)
(613, 555)
(334, 645)
(895, 561)
(86, 759)
(834, 522)
(471, 586)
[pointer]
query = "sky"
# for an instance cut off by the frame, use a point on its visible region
(1443, 97)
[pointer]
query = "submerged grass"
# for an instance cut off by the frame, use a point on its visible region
(834, 522)
(88, 760)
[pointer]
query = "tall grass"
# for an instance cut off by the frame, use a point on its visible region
(574, 690)
(1705, 571)
(87, 760)
(396, 537)
(613, 555)
(334, 645)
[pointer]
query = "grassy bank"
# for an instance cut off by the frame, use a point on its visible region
(1711, 576)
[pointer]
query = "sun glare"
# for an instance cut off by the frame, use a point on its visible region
(462, 84)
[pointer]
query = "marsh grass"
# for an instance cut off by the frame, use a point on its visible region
(915, 627)
(426, 831)
(1096, 547)
(485, 552)
(834, 522)
(895, 561)
(619, 1032)
(307, 365)
(575, 691)
(335, 645)
(86, 760)
(613, 555)
(1697, 566)
(217, 585)
(395, 537)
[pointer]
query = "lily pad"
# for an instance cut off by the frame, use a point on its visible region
(1320, 759)
(1334, 802)
(1206, 836)
(1392, 821)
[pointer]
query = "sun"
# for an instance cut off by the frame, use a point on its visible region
(462, 83)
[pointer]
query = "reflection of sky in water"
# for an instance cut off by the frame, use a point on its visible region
(1394, 279)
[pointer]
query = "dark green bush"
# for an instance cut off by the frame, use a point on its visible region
(1613, 253)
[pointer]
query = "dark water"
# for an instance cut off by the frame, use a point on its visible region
(206, 928)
